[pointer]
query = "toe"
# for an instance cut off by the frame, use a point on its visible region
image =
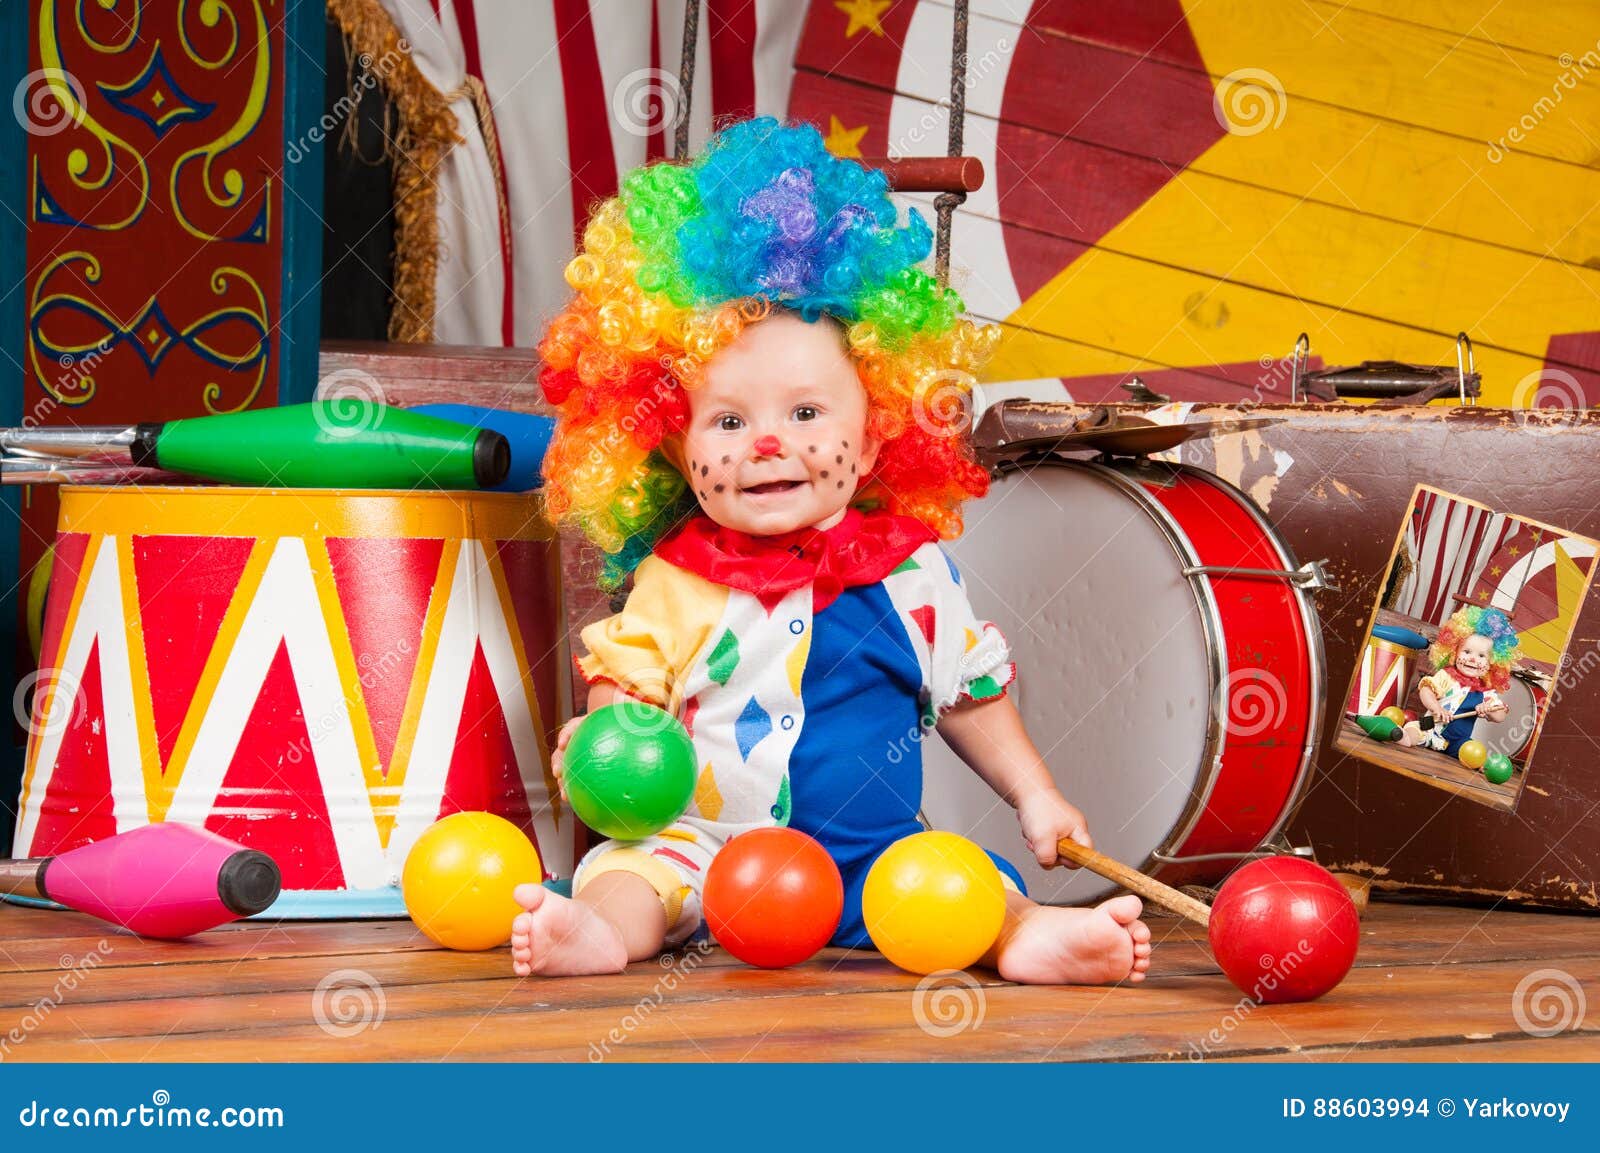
(530, 897)
(1140, 932)
(1124, 910)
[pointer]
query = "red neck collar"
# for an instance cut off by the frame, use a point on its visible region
(861, 549)
(1471, 684)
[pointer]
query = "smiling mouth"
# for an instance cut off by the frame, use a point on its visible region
(772, 487)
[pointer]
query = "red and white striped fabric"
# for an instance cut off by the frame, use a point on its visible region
(576, 88)
(1449, 542)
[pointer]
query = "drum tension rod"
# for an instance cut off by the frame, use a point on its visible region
(1310, 575)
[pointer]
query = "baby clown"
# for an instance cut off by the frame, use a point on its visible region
(774, 447)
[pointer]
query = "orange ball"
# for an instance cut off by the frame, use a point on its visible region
(458, 879)
(1473, 754)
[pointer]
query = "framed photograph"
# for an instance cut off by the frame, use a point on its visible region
(1465, 652)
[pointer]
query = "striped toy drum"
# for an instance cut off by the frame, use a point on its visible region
(1384, 677)
(318, 674)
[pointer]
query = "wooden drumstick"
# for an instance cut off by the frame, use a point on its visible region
(1113, 870)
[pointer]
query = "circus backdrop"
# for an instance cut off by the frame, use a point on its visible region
(1175, 190)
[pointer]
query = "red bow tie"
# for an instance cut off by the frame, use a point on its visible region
(861, 549)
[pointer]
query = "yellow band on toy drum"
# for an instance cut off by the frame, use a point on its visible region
(317, 512)
(662, 877)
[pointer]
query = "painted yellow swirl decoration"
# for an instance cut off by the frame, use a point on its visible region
(116, 46)
(78, 159)
(83, 380)
(249, 117)
(213, 391)
(210, 12)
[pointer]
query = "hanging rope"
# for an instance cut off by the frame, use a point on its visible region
(945, 203)
(691, 42)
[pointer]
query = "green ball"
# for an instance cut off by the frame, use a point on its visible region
(1497, 768)
(629, 770)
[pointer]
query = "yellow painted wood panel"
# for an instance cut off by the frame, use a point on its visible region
(1409, 73)
(1552, 27)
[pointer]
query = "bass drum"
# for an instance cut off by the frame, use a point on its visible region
(1169, 667)
(1525, 700)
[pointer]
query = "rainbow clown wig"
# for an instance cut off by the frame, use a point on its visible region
(672, 269)
(1475, 620)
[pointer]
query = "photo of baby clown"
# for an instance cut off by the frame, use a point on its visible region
(754, 382)
(1472, 658)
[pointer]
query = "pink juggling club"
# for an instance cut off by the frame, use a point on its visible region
(164, 880)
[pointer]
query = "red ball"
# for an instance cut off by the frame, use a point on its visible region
(773, 897)
(1284, 929)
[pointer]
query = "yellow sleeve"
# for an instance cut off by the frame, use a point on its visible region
(1440, 683)
(636, 649)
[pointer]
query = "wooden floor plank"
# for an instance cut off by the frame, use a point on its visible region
(1584, 1046)
(1174, 1019)
(1430, 981)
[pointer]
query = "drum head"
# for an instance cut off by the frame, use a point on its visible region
(1513, 735)
(1114, 678)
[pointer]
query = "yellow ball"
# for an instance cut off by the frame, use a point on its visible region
(458, 879)
(1473, 754)
(1396, 714)
(933, 901)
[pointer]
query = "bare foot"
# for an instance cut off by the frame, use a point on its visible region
(560, 937)
(1046, 945)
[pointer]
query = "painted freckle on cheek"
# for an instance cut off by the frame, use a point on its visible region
(838, 459)
(727, 460)
(840, 484)
(824, 474)
(718, 487)
(811, 448)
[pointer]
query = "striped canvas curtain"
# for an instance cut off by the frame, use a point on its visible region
(1449, 543)
(574, 93)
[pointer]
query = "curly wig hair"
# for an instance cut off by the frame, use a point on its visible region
(1475, 620)
(670, 272)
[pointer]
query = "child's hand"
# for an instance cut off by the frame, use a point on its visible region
(1046, 817)
(558, 755)
(1439, 713)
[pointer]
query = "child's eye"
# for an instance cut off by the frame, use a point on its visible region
(727, 422)
(805, 412)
